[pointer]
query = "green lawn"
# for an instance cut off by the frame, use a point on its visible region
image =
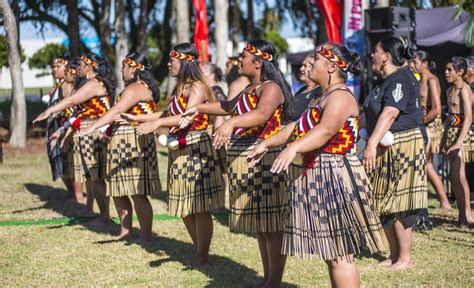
(82, 255)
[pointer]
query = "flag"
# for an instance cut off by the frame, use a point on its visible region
(201, 30)
(332, 11)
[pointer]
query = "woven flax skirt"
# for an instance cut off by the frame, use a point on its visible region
(399, 179)
(467, 147)
(435, 130)
(90, 154)
(258, 198)
(331, 210)
(132, 167)
(195, 177)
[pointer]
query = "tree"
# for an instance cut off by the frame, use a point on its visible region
(121, 45)
(235, 28)
(43, 58)
(222, 32)
(75, 47)
(18, 106)
(182, 21)
(4, 52)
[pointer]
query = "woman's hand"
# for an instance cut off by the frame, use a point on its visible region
(455, 148)
(222, 135)
(64, 144)
(284, 159)
(86, 131)
(53, 139)
(188, 117)
(257, 153)
(41, 117)
(127, 117)
(119, 119)
(148, 127)
(368, 161)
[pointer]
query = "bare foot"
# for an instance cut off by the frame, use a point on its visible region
(123, 236)
(387, 262)
(142, 240)
(402, 265)
(100, 221)
(198, 261)
(445, 207)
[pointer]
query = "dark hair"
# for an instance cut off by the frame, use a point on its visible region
(78, 81)
(103, 73)
(354, 65)
(215, 71)
(271, 71)
(232, 75)
(425, 57)
(470, 61)
(65, 56)
(458, 64)
(145, 75)
(189, 71)
(400, 50)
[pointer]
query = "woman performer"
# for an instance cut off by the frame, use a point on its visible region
(258, 198)
(195, 176)
(332, 216)
(398, 172)
(430, 93)
(94, 97)
(456, 141)
(132, 168)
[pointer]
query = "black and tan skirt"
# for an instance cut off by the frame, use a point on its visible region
(331, 210)
(399, 179)
(467, 147)
(91, 154)
(132, 166)
(195, 177)
(258, 198)
(435, 130)
(68, 168)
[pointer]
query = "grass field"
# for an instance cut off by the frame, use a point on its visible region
(63, 255)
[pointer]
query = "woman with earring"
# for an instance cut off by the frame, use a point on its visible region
(331, 213)
(258, 198)
(397, 171)
(132, 168)
(94, 97)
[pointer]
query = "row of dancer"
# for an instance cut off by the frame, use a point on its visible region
(300, 187)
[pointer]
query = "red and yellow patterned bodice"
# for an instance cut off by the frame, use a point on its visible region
(178, 106)
(455, 119)
(344, 142)
(248, 102)
(95, 107)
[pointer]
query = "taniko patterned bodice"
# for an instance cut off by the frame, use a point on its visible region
(248, 102)
(178, 106)
(455, 119)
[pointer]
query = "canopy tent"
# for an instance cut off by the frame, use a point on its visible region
(438, 25)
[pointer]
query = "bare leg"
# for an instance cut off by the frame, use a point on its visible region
(78, 192)
(394, 248)
(102, 200)
(204, 232)
(90, 197)
(404, 239)
(145, 217)
(125, 212)
(434, 178)
(343, 272)
(70, 188)
(276, 260)
(190, 224)
(466, 190)
(456, 164)
(262, 245)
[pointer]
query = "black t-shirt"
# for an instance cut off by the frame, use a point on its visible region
(302, 100)
(399, 90)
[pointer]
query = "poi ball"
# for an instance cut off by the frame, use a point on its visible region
(363, 133)
(387, 139)
(163, 140)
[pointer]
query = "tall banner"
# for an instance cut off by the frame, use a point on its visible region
(201, 30)
(353, 32)
(332, 11)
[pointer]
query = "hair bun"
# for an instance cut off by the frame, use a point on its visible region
(355, 64)
(409, 52)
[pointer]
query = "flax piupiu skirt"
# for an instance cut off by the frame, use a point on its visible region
(90, 154)
(195, 177)
(258, 198)
(68, 155)
(400, 181)
(132, 166)
(331, 210)
(435, 130)
(467, 147)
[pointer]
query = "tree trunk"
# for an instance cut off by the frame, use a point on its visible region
(105, 32)
(142, 25)
(235, 30)
(18, 106)
(182, 21)
(73, 28)
(250, 27)
(221, 34)
(121, 47)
